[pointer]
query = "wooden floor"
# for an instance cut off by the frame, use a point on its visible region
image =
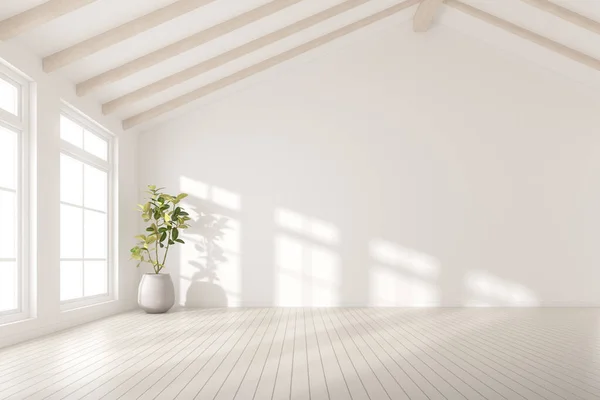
(281, 353)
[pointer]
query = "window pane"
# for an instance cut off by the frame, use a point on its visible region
(71, 280)
(71, 132)
(95, 145)
(8, 286)
(71, 180)
(9, 97)
(94, 235)
(71, 232)
(9, 230)
(9, 151)
(95, 278)
(95, 188)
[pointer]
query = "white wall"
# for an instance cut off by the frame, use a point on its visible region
(392, 169)
(50, 89)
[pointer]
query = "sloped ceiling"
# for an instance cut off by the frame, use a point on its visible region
(89, 18)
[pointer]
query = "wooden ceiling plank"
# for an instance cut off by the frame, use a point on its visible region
(262, 66)
(526, 34)
(38, 16)
(183, 45)
(228, 56)
(120, 33)
(424, 15)
(566, 14)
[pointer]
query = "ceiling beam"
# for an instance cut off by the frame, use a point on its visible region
(526, 34)
(566, 14)
(37, 16)
(120, 33)
(424, 14)
(228, 56)
(183, 45)
(262, 66)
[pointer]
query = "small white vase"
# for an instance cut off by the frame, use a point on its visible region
(156, 294)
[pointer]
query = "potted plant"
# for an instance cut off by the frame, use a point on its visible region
(166, 219)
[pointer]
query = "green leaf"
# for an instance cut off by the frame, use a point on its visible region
(165, 220)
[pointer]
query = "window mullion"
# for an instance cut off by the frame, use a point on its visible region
(20, 221)
(81, 155)
(11, 121)
(83, 230)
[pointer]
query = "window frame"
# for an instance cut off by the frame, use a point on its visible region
(109, 166)
(21, 124)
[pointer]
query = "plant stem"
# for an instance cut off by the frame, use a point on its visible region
(167, 248)
(149, 254)
(156, 248)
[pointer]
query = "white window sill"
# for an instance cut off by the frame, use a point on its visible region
(76, 304)
(13, 317)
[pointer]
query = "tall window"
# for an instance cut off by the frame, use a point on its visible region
(85, 209)
(14, 271)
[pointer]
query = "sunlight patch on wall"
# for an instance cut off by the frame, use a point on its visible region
(229, 270)
(214, 194)
(194, 188)
(289, 259)
(412, 261)
(322, 231)
(308, 269)
(402, 277)
(488, 290)
(224, 198)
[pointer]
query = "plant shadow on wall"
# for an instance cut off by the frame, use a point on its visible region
(203, 290)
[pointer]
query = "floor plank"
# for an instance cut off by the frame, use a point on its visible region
(315, 354)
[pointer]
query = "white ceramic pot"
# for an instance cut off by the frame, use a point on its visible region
(156, 294)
